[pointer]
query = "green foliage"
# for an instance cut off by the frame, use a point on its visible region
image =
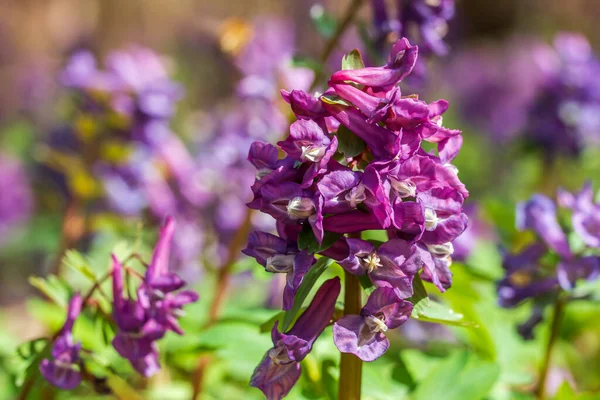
(307, 283)
(308, 241)
(348, 143)
(353, 60)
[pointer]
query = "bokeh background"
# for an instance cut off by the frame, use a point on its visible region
(489, 76)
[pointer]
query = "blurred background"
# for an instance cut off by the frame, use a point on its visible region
(225, 61)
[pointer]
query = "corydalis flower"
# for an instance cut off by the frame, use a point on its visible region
(63, 370)
(364, 335)
(155, 311)
(280, 256)
(280, 368)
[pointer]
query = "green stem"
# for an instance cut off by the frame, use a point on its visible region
(557, 314)
(350, 365)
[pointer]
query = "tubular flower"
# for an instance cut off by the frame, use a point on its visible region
(146, 319)
(63, 370)
(280, 368)
(354, 162)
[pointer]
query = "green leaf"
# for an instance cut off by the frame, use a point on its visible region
(334, 99)
(459, 377)
(348, 143)
(428, 310)
(431, 311)
(366, 283)
(353, 60)
(32, 348)
(307, 283)
(307, 240)
(52, 287)
(76, 261)
(419, 291)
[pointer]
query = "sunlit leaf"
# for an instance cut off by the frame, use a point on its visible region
(307, 283)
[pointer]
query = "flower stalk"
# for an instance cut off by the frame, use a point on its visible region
(557, 315)
(350, 365)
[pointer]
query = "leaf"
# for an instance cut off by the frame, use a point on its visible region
(307, 240)
(366, 283)
(307, 283)
(76, 261)
(334, 99)
(32, 348)
(431, 311)
(348, 143)
(428, 310)
(52, 287)
(419, 291)
(459, 377)
(353, 60)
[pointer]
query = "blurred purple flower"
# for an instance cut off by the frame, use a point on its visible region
(16, 198)
(63, 370)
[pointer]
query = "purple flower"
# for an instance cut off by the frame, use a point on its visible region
(63, 370)
(383, 143)
(539, 214)
(393, 264)
(143, 321)
(280, 256)
(400, 63)
(524, 277)
(586, 214)
(364, 335)
(280, 368)
(308, 143)
(291, 204)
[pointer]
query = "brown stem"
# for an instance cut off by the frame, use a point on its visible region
(224, 274)
(557, 314)
(73, 229)
(350, 365)
(334, 39)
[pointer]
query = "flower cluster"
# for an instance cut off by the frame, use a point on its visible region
(548, 95)
(119, 149)
(551, 264)
(353, 163)
(140, 321)
(155, 311)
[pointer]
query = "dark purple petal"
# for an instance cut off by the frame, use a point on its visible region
(570, 271)
(274, 379)
(63, 376)
(262, 245)
(352, 335)
(357, 250)
(386, 301)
